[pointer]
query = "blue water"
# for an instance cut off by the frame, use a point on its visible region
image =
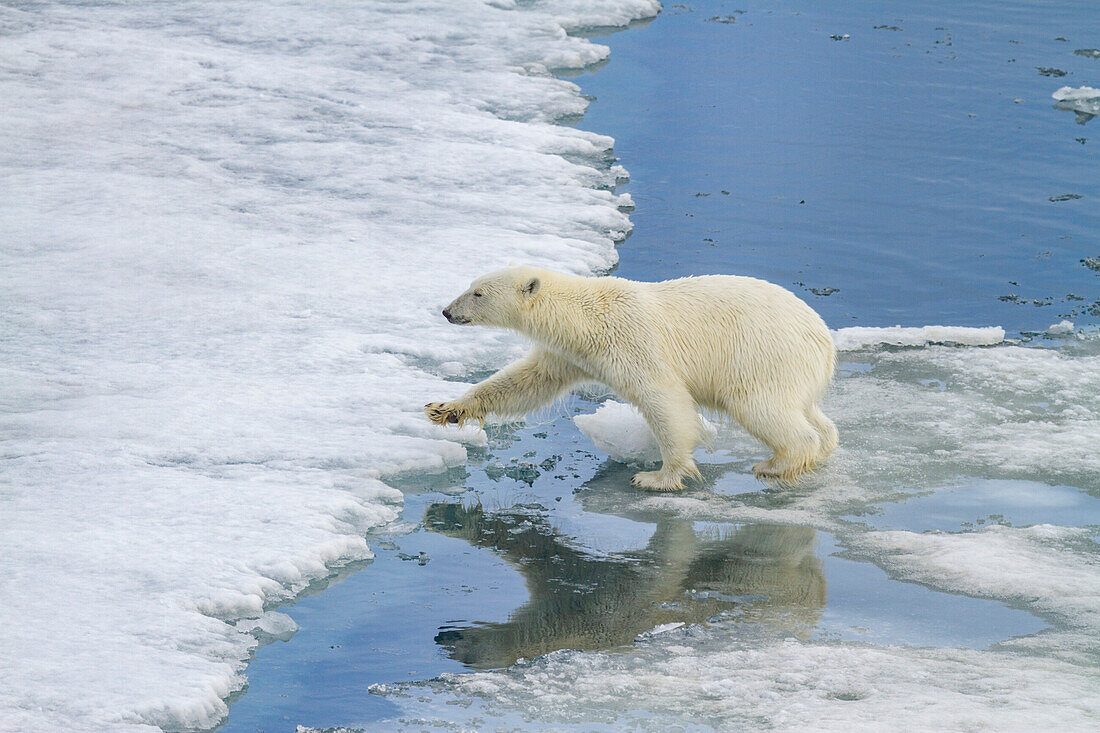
(895, 167)
(895, 174)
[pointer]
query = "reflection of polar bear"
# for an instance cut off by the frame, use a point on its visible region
(737, 345)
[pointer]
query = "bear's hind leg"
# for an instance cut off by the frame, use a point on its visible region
(673, 418)
(790, 435)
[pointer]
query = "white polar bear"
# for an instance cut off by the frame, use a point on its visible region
(737, 345)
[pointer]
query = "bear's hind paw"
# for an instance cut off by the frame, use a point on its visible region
(781, 471)
(658, 481)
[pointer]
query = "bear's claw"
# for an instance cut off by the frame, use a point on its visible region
(450, 413)
(440, 414)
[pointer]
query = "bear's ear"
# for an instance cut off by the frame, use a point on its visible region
(532, 286)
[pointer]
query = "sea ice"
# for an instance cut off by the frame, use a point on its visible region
(227, 233)
(854, 338)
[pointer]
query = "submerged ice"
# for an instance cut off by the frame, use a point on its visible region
(225, 232)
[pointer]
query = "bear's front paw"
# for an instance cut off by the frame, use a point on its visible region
(443, 413)
(658, 480)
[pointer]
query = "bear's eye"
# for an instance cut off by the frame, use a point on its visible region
(477, 293)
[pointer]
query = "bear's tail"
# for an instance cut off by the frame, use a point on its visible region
(826, 431)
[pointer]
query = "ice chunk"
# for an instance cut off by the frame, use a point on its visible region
(861, 337)
(1084, 102)
(621, 432)
(661, 629)
(1060, 328)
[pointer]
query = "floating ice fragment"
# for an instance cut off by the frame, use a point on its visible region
(621, 432)
(660, 629)
(862, 337)
(1084, 102)
(1062, 327)
(271, 626)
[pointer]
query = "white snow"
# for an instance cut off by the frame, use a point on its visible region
(854, 338)
(621, 432)
(227, 230)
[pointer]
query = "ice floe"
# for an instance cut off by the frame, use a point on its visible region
(227, 232)
(862, 337)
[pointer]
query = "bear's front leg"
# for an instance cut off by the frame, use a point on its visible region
(515, 390)
(671, 414)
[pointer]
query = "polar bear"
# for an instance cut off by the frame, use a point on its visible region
(735, 345)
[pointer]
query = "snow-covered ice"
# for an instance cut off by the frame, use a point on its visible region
(227, 231)
(862, 337)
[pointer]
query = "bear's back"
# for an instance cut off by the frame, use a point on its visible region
(715, 325)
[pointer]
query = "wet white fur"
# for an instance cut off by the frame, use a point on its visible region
(736, 345)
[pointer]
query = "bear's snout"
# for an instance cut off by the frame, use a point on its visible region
(453, 318)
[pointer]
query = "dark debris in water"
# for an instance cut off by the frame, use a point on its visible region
(1089, 53)
(1050, 71)
(887, 28)
(420, 557)
(1093, 263)
(722, 19)
(824, 292)
(840, 36)
(1066, 197)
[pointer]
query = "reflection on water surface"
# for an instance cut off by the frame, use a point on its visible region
(685, 574)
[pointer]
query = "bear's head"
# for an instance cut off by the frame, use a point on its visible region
(497, 299)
